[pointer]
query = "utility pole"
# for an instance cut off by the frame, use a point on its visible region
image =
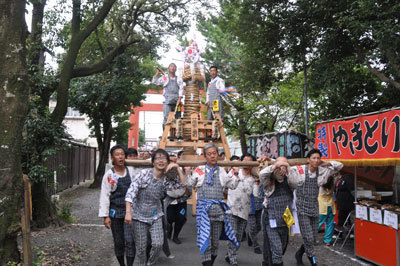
(305, 93)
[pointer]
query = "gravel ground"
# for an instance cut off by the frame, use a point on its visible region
(88, 242)
(85, 242)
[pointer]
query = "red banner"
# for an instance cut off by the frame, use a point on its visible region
(365, 140)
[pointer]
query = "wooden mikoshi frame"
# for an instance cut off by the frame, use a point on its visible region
(198, 129)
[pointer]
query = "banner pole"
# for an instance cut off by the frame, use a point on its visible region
(355, 183)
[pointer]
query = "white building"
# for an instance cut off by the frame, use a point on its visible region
(77, 125)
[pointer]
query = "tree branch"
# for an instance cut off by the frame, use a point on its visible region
(76, 16)
(83, 71)
(383, 77)
(36, 35)
(274, 121)
(78, 37)
(98, 18)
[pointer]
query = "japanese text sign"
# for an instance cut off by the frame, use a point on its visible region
(365, 138)
(390, 219)
(375, 215)
(361, 212)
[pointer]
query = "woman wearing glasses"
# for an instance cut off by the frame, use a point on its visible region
(143, 204)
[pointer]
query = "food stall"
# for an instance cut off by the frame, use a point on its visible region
(369, 140)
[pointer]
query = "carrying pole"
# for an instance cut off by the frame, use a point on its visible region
(194, 163)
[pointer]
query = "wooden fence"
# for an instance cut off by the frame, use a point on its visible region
(72, 165)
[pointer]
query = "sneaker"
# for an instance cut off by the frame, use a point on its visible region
(176, 241)
(171, 256)
(299, 255)
(347, 227)
(313, 261)
(340, 228)
(257, 250)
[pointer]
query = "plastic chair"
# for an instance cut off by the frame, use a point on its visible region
(350, 220)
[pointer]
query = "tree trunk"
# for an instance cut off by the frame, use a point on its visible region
(44, 211)
(14, 94)
(37, 48)
(104, 148)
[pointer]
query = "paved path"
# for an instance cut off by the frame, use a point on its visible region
(94, 245)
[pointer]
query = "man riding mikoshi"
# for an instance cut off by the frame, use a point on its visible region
(173, 89)
(212, 95)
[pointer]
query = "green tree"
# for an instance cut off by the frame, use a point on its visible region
(254, 67)
(365, 32)
(121, 130)
(345, 49)
(97, 33)
(42, 141)
(14, 95)
(142, 137)
(106, 99)
(355, 60)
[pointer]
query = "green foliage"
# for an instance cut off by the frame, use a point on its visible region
(142, 137)
(108, 96)
(354, 53)
(56, 26)
(262, 47)
(38, 261)
(40, 257)
(345, 89)
(41, 140)
(64, 212)
(122, 129)
(270, 98)
(140, 24)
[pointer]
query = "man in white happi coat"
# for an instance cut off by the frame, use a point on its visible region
(210, 181)
(308, 178)
(239, 204)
